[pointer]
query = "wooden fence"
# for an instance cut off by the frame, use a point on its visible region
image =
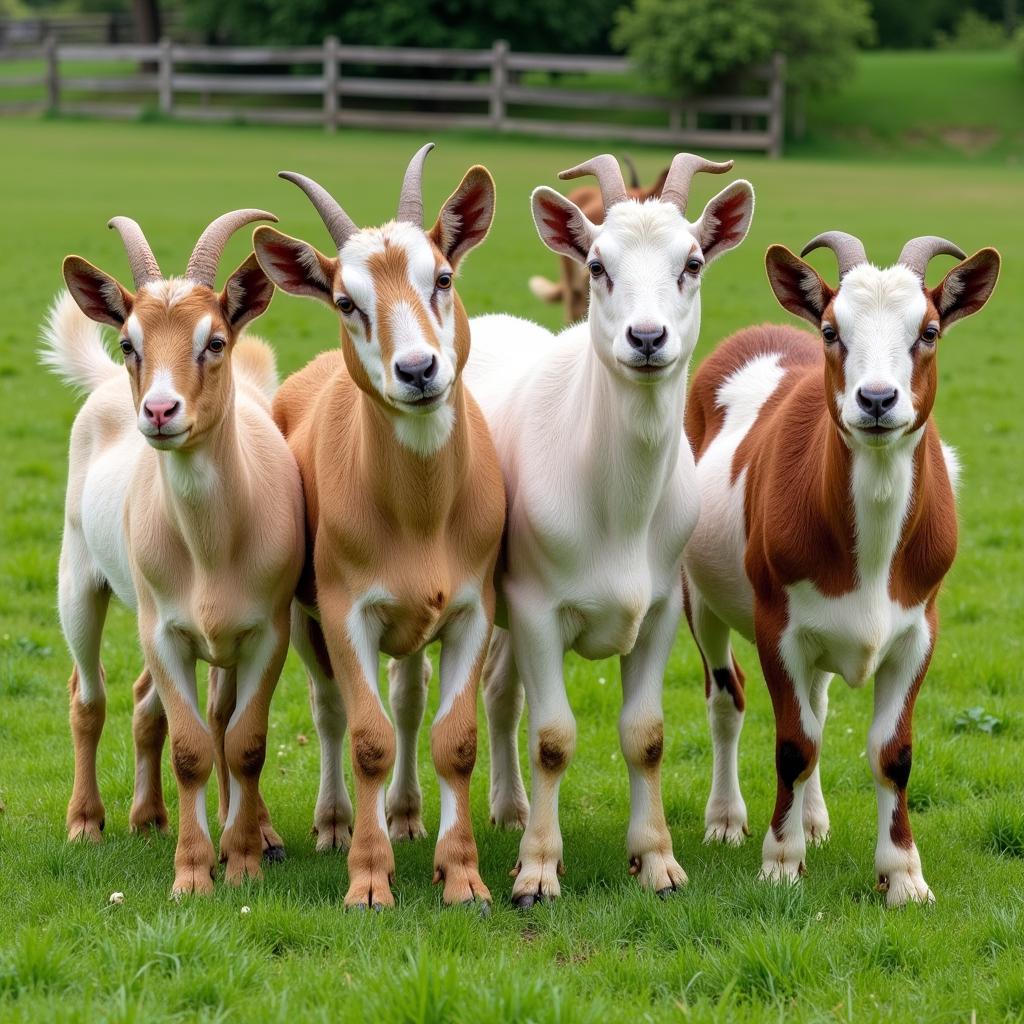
(334, 85)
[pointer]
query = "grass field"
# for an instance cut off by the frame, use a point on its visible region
(727, 948)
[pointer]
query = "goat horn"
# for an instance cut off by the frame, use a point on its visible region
(140, 256)
(680, 176)
(609, 176)
(410, 199)
(339, 224)
(634, 178)
(849, 249)
(205, 258)
(918, 252)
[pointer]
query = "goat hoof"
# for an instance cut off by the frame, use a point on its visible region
(530, 899)
(274, 854)
(483, 906)
(357, 907)
(668, 891)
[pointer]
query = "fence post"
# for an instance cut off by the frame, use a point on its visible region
(331, 83)
(165, 77)
(777, 94)
(52, 74)
(499, 80)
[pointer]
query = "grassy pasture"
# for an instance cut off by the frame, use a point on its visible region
(727, 948)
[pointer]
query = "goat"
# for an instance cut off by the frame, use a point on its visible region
(601, 497)
(184, 501)
(828, 523)
(571, 288)
(405, 508)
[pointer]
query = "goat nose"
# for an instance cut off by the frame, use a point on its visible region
(876, 401)
(418, 371)
(646, 339)
(158, 413)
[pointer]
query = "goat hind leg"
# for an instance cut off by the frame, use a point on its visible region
(409, 678)
(503, 699)
(149, 730)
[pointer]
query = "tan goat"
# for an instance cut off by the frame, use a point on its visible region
(404, 509)
(185, 502)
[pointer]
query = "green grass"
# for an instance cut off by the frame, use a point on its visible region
(727, 948)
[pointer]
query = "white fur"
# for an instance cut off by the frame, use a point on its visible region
(73, 347)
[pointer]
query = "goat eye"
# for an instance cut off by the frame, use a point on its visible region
(596, 268)
(694, 265)
(444, 281)
(345, 304)
(828, 332)
(216, 345)
(929, 334)
(126, 347)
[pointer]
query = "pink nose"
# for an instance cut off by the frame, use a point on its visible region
(158, 413)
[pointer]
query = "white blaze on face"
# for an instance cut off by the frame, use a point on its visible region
(878, 316)
(201, 335)
(134, 328)
(644, 248)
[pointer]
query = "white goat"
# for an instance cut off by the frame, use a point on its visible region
(183, 500)
(601, 496)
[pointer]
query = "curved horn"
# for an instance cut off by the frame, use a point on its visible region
(918, 252)
(140, 256)
(205, 258)
(680, 176)
(410, 199)
(339, 224)
(849, 249)
(609, 176)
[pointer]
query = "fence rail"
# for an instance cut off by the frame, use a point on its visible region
(491, 89)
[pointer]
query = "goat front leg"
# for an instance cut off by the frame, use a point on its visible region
(642, 734)
(797, 743)
(407, 693)
(725, 814)
(537, 647)
(149, 730)
(83, 602)
(453, 745)
(332, 819)
(897, 682)
(352, 631)
(503, 699)
(247, 836)
(173, 669)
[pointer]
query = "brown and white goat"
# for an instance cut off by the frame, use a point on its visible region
(828, 523)
(405, 506)
(573, 286)
(184, 501)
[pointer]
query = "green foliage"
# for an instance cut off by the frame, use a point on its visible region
(977, 719)
(532, 25)
(699, 45)
(972, 31)
(727, 949)
(902, 25)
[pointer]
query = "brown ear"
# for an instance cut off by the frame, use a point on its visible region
(295, 265)
(797, 285)
(98, 295)
(466, 216)
(247, 293)
(967, 287)
(562, 225)
(726, 220)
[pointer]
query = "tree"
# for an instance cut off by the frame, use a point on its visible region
(698, 45)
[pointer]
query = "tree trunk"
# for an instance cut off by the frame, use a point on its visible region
(147, 20)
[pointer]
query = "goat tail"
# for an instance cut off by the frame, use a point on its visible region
(72, 347)
(545, 290)
(254, 360)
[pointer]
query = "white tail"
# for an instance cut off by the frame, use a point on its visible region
(545, 290)
(254, 360)
(73, 347)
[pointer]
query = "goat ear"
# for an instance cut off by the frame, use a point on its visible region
(561, 224)
(466, 216)
(797, 285)
(967, 287)
(98, 295)
(294, 265)
(726, 220)
(247, 294)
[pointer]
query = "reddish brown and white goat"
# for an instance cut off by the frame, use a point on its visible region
(405, 507)
(828, 523)
(573, 286)
(185, 502)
